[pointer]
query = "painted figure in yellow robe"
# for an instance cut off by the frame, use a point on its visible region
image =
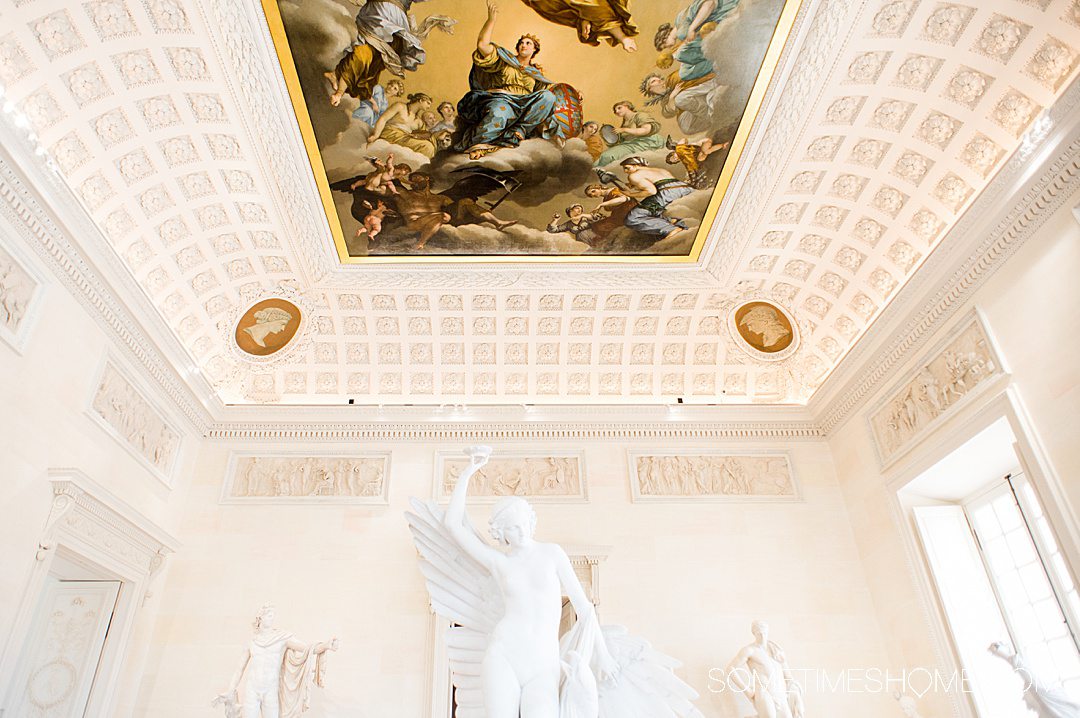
(594, 20)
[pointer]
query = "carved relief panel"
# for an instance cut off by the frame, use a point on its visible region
(702, 475)
(19, 291)
(299, 479)
(130, 418)
(963, 361)
(541, 477)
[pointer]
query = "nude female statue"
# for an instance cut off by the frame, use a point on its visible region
(505, 608)
(520, 671)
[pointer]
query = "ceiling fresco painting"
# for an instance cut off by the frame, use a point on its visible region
(525, 129)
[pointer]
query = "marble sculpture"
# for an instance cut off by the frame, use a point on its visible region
(506, 657)
(908, 706)
(280, 672)
(761, 673)
(1046, 701)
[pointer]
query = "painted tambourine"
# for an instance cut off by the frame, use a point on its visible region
(609, 135)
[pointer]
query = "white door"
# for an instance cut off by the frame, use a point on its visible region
(60, 658)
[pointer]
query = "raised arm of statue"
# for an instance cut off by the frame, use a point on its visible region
(454, 519)
(317, 649)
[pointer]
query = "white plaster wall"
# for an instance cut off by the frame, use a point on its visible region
(1031, 308)
(43, 425)
(690, 577)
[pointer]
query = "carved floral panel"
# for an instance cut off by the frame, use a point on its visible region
(716, 476)
(537, 477)
(307, 479)
(940, 381)
(134, 421)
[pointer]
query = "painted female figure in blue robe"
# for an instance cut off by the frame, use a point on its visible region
(510, 100)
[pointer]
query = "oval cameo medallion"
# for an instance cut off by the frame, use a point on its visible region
(267, 327)
(764, 326)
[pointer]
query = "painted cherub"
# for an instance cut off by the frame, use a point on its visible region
(380, 181)
(374, 219)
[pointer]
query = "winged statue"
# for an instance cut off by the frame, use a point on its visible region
(505, 604)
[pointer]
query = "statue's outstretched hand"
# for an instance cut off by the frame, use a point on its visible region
(478, 455)
(334, 643)
(607, 668)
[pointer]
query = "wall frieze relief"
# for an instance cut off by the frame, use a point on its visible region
(304, 479)
(951, 374)
(21, 289)
(125, 413)
(543, 477)
(710, 475)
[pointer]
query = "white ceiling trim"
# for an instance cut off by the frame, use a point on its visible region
(50, 237)
(1034, 184)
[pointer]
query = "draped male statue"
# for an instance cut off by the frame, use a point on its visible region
(761, 673)
(280, 672)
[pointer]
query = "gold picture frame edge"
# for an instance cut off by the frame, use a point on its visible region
(766, 73)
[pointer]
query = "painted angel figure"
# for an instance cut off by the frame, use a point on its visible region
(506, 657)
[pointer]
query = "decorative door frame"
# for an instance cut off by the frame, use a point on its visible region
(100, 532)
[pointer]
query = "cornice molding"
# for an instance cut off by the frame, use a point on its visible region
(976, 248)
(47, 229)
(516, 431)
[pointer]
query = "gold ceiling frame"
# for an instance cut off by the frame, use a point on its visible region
(738, 144)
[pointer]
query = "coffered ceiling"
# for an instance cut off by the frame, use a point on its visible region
(170, 122)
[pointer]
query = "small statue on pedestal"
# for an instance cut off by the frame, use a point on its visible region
(761, 673)
(908, 706)
(282, 671)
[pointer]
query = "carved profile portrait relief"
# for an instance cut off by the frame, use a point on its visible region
(267, 327)
(765, 327)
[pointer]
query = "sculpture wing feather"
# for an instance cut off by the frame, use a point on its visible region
(462, 591)
(646, 686)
